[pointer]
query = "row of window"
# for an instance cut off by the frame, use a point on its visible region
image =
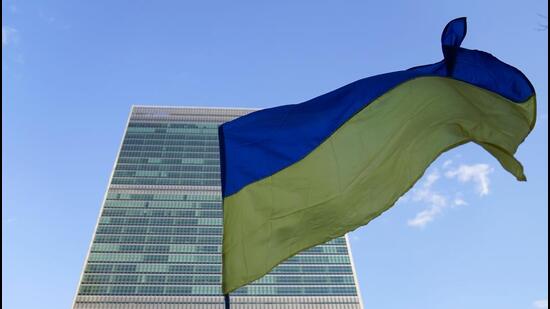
(144, 290)
(160, 221)
(89, 289)
(163, 174)
(153, 239)
(162, 204)
(165, 182)
(296, 291)
(187, 136)
(170, 155)
(155, 230)
(215, 279)
(153, 258)
(158, 239)
(187, 124)
(173, 130)
(168, 168)
(210, 268)
(170, 142)
(187, 258)
(151, 279)
(166, 197)
(305, 280)
(190, 248)
(326, 249)
(176, 248)
(197, 161)
(113, 212)
(166, 148)
(154, 268)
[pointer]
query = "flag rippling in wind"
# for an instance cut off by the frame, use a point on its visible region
(296, 176)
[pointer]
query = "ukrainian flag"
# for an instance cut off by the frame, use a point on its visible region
(299, 175)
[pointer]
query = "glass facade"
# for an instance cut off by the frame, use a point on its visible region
(157, 242)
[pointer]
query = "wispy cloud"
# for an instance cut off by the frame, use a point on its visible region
(9, 220)
(7, 35)
(477, 173)
(437, 201)
(424, 217)
(4, 35)
(541, 304)
(431, 179)
(458, 201)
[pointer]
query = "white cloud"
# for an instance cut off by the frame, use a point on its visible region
(478, 173)
(431, 179)
(7, 34)
(430, 197)
(447, 163)
(458, 201)
(4, 35)
(541, 304)
(437, 202)
(424, 217)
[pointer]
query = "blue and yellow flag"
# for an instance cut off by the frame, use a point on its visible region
(299, 175)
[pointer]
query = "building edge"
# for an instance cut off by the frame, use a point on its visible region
(102, 205)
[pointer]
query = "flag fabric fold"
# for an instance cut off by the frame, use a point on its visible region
(296, 176)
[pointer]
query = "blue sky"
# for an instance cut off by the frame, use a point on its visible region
(467, 236)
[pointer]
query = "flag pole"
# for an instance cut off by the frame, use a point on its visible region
(227, 301)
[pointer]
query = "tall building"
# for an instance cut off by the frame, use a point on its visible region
(158, 238)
